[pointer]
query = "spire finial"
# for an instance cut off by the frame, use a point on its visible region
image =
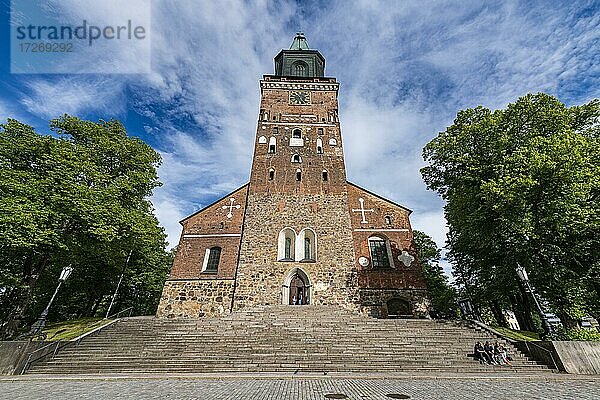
(299, 42)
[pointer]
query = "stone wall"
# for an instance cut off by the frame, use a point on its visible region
(14, 354)
(195, 298)
(374, 301)
(573, 357)
(261, 276)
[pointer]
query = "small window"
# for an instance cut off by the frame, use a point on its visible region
(297, 134)
(214, 256)
(262, 140)
(320, 131)
(275, 130)
(271, 174)
(319, 146)
(325, 176)
(296, 158)
(388, 220)
(332, 142)
(298, 175)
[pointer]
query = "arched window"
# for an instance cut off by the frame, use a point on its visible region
(379, 248)
(286, 245)
(319, 146)
(298, 175)
(299, 68)
(320, 131)
(307, 240)
(325, 176)
(296, 158)
(211, 259)
(332, 142)
(297, 134)
(272, 145)
(262, 140)
(271, 174)
(388, 220)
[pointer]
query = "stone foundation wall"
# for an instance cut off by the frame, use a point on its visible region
(374, 301)
(195, 298)
(261, 276)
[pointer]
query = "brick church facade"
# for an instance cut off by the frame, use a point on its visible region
(298, 233)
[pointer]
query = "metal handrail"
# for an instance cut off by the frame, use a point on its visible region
(76, 340)
(527, 343)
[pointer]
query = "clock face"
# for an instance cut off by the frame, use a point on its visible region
(299, 97)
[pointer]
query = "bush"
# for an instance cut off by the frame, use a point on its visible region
(579, 334)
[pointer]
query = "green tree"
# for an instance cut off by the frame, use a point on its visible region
(521, 186)
(441, 292)
(78, 197)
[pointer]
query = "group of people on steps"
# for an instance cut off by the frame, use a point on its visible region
(491, 353)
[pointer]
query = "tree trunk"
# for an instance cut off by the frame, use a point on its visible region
(22, 299)
(522, 310)
(498, 314)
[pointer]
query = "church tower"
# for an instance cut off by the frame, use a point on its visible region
(298, 233)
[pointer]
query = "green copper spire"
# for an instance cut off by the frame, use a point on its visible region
(299, 42)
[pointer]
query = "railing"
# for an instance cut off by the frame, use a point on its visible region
(527, 343)
(54, 347)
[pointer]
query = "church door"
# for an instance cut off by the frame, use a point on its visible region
(298, 291)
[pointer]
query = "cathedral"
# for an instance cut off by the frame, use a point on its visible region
(299, 233)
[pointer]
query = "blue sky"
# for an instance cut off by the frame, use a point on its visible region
(405, 69)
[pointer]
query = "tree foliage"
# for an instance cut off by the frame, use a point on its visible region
(441, 292)
(521, 185)
(77, 197)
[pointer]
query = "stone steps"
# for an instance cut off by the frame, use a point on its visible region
(279, 339)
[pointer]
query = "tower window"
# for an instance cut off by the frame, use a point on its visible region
(275, 130)
(271, 174)
(272, 145)
(332, 142)
(296, 158)
(297, 134)
(298, 175)
(307, 249)
(299, 68)
(319, 146)
(388, 220)
(262, 140)
(320, 131)
(288, 248)
(325, 176)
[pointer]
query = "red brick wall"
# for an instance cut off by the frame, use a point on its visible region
(399, 234)
(208, 228)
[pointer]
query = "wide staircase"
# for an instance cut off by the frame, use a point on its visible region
(292, 339)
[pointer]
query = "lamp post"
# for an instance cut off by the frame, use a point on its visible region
(522, 274)
(41, 321)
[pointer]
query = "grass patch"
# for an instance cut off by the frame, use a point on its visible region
(518, 335)
(68, 330)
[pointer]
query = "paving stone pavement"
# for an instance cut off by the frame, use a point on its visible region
(310, 388)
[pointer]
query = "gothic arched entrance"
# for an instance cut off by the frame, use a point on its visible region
(398, 308)
(296, 288)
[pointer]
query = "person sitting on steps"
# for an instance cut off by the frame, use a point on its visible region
(480, 353)
(489, 350)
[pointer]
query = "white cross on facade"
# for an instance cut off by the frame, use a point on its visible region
(362, 210)
(231, 207)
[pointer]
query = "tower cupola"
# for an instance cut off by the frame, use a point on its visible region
(300, 60)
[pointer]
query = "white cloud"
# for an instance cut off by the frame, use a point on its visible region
(74, 96)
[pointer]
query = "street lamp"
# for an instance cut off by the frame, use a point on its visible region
(41, 321)
(522, 274)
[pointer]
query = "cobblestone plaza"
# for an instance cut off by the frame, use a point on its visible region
(445, 387)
